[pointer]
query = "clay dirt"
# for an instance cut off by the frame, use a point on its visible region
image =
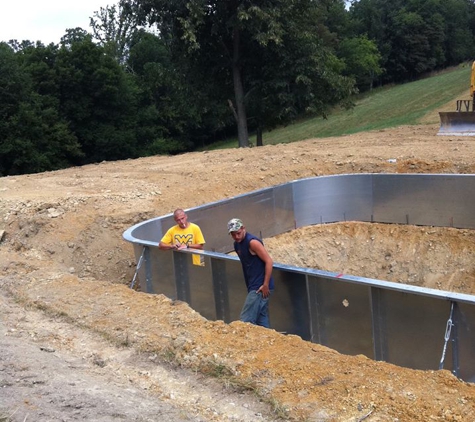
(78, 343)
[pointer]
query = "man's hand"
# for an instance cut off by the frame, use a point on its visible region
(264, 289)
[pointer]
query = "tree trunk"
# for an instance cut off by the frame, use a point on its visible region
(243, 136)
(259, 142)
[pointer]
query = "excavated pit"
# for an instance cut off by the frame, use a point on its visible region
(440, 258)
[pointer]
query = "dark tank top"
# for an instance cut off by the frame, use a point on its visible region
(253, 267)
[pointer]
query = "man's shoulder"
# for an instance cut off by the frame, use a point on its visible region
(251, 236)
(173, 228)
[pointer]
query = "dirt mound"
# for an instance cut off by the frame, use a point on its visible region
(437, 257)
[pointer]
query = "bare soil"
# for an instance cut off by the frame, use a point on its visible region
(77, 343)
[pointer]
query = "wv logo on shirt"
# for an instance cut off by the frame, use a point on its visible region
(184, 239)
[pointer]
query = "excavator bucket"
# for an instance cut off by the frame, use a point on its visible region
(457, 123)
(462, 121)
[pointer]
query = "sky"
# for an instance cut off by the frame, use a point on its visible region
(46, 20)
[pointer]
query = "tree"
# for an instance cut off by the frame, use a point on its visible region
(410, 55)
(98, 99)
(302, 76)
(228, 40)
(33, 136)
(416, 36)
(362, 60)
(176, 112)
(459, 41)
(113, 27)
(72, 36)
(13, 91)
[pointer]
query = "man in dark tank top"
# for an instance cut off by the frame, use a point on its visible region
(257, 269)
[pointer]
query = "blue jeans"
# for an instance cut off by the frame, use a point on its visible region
(256, 309)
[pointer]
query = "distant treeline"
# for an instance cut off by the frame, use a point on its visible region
(203, 71)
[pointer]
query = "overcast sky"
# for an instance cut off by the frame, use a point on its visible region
(46, 20)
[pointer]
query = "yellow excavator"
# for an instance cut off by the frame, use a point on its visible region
(462, 121)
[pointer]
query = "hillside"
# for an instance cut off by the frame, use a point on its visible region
(79, 344)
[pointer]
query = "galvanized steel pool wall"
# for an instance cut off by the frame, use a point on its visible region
(405, 325)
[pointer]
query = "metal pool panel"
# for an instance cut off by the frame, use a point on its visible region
(343, 315)
(334, 198)
(463, 340)
(230, 286)
(149, 230)
(437, 200)
(160, 274)
(221, 284)
(195, 283)
(284, 216)
(251, 208)
(289, 309)
(413, 329)
(256, 211)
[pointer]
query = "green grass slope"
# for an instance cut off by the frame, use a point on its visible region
(386, 107)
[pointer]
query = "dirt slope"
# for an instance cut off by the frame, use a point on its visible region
(78, 344)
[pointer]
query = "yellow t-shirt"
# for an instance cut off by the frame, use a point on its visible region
(190, 236)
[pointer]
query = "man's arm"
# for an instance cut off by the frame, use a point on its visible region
(167, 242)
(259, 249)
(167, 246)
(195, 245)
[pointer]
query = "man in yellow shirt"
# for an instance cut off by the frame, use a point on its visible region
(182, 235)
